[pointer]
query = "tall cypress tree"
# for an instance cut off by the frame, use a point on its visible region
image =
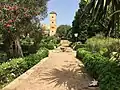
(82, 24)
(79, 24)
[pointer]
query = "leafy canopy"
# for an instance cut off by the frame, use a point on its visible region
(12, 12)
(62, 30)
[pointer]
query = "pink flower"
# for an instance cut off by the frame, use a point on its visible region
(8, 25)
(10, 21)
(8, 31)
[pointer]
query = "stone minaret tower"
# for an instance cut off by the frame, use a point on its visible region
(53, 25)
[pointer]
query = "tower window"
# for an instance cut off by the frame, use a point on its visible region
(52, 17)
(52, 27)
(52, 22)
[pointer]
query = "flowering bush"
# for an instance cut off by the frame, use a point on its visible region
(15, 18)
(14, 11)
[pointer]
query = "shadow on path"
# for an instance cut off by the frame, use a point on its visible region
(71, 78)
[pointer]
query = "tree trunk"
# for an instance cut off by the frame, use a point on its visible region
(17, 50)
(13, 47)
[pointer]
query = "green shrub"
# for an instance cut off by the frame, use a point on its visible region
(27, 41)
(28, 46)
(10, 70)
(81, 52)
(104, 46)
(106, 71)
(50, 46)
(49, 42)
(77, 45)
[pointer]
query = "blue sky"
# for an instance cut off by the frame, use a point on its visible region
(65, 10)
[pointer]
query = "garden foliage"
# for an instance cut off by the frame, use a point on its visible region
(106, 71)
(104, 46)
(77, 45)
(14, 68)
(49, 42)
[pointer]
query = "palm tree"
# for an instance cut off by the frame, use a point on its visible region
(106, 12)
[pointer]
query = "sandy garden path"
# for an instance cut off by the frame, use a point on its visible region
(60, 71)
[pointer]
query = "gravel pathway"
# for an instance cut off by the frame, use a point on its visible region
(60, 71)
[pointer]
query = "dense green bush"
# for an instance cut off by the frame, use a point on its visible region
(29, 46)
(16, 67)
(105, 46)
(62, 31)
(49, 42)
(48, 45)
(27, 41)
(81, 52)
(77, 45)
(106, 71)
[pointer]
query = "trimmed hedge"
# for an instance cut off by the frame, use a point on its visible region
(11, 70)
(106, 71)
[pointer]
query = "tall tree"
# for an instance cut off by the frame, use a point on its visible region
(14, 14)
(80, 25)
(62, 31)
(107, 13)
